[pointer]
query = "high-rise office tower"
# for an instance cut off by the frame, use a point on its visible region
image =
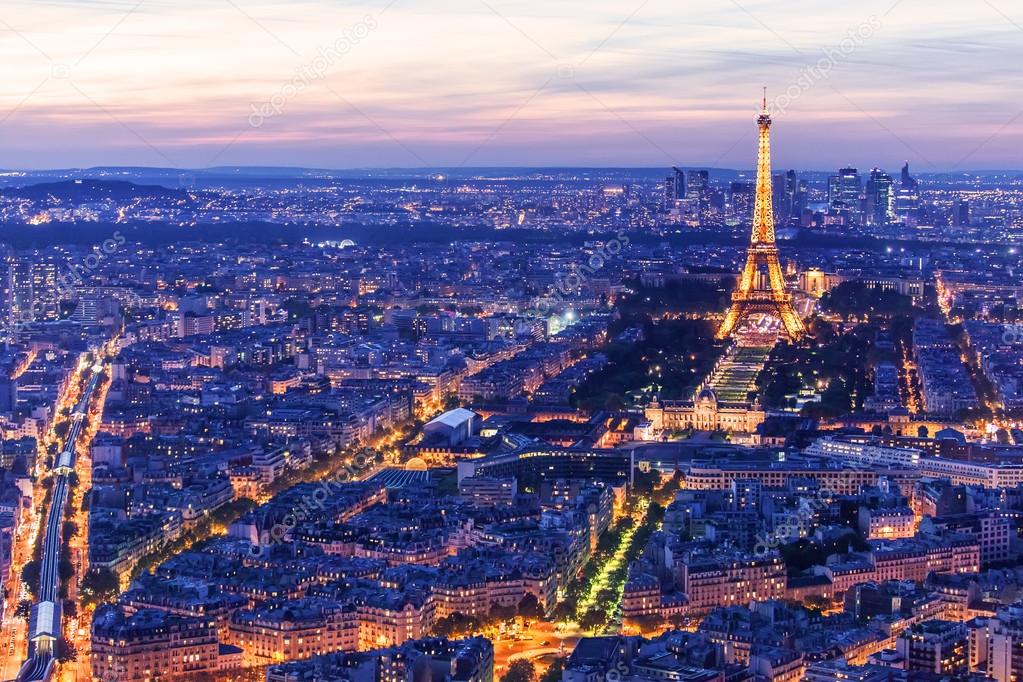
(907, 198)
(8, 393)
(674, 187)
(907, 179)
(800, 199)
(961, 213)
(791, 182)
(742, 196)
(6, 281)
(698, 191)
(32, 288)
(21, 299)
(782, 200)
(880, 198)
(718, 199)
(844, 195)
(791, 190)
(46, 288)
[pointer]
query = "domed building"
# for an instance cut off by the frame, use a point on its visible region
(705, 413)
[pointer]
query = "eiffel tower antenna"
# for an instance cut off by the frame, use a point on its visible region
(756, 294)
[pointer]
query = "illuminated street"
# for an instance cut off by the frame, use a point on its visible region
(601, 581)
(48, 625)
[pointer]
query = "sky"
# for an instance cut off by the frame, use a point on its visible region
(442, 83)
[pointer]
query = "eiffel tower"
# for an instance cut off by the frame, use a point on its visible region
(756, 293)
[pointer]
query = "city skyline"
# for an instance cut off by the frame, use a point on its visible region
(500, 84)
(497, 341)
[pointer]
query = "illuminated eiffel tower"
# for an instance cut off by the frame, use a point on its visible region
(757, 293)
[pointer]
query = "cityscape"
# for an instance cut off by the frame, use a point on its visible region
(509, 422)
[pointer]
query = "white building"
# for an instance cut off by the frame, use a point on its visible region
(987, 475)
(454, 426)
(863, 453)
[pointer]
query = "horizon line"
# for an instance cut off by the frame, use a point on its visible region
(8, 172)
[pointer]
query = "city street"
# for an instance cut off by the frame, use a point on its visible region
(540, 643)
(15, 629)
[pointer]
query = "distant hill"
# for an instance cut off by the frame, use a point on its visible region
(88, 191)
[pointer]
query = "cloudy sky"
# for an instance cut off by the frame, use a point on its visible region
(407, 83)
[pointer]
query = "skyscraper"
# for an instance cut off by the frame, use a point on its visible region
(31, 288)
(6, 282)
(961, 213)
(880, 198)
(21, 298)
(800, 198)
(907, 179)
(907, 198)
(698, 191)
(791, 194)
(782, 200)
(46, 288)
(674, 187)
(844, 195)
(742, 196)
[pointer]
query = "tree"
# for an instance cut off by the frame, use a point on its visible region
(455, 624)
(529, 607)
(565, 609)
(593, 619)
(65, 569)
(501, 613)
(607, 596)
(614, 402)
(30, 575)
(99, 586)
(654, 515)
(520, 671)
(645, 481)
(666, 493)
(554, 670)
(66, 651)
(856, 299)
